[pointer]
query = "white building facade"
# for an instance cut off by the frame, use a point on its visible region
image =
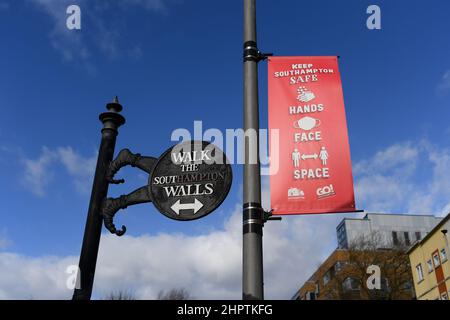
(390, 229)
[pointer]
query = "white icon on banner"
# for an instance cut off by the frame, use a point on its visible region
(306, 123)
(309, 156)
(296, 158)
(326, 191)
(295, 193)
(323, 155)
(304, 95)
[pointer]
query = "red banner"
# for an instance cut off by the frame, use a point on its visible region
(312, 172)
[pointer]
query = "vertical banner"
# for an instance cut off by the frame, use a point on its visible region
(312, 172)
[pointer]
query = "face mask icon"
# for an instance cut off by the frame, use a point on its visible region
(306, 123)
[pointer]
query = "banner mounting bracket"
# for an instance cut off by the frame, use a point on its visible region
(268, 216)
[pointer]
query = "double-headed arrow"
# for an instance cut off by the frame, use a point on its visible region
(177, 206)
(309, 156)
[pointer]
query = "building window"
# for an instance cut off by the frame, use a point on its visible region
(406, 235)
(384, 284)
(443, 255)
(350, 284)
(338, 266)
(419, 272)
(430, 266)
(407, 286)
(317, 288)
(395, 238)
(342, 237)
(310, 296)
(326, 278)
(418, 236)
(436, 260)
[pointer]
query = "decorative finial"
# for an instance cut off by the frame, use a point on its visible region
(114, 106)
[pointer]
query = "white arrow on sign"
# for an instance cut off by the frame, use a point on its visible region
(177, 206)
(309, 156)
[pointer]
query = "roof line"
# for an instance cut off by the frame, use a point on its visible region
(403, 214)
(430, 233)
(390, 214)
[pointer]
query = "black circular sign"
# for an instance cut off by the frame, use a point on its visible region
(190, 180)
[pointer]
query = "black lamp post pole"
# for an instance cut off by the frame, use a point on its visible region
(111, 120)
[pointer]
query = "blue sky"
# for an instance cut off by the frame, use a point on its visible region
(172, 62)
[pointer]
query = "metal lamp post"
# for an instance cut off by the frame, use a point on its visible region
(253, 214)
(111, 120)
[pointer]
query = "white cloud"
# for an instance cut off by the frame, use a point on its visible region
(398, 157)
(384, 181)
(432, 195)
(39, 172)
(4, 240)
(102, 35)
(209, 266)
(79, 167)
(405, 177)
(24, 277)
(444, 84)
(37, 175)
(69, 43)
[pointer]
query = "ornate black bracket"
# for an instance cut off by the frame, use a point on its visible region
(141, 195)
(124, 158)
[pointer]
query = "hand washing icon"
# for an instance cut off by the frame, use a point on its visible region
(304, 95)
(306, 123)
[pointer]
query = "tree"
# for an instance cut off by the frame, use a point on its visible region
(350, 281)
(174, 294)
(120, 295)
